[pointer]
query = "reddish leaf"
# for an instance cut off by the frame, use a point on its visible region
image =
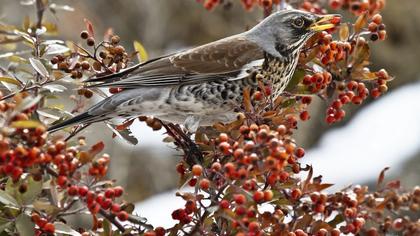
(89, 27)
(247, 100)
(394, 184)
(124, 125)
(97, 148)
(381, 177)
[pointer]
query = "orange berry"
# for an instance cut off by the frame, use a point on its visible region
(204, 184)
(197, 170)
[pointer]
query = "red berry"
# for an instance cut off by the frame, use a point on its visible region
(268, 195)
(224, 204)
(61, 180)
(239, 198)
(118, 191)
(304, 115)
(377, 19)
(115, 208)
(300, 152)
(204, 184)
(109, 193)
(258, 196)
(72, 190)
(296, 194)
(106, 204)
(49, 228)
(122, 216)
(83, 190)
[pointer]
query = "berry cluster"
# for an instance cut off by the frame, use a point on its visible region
(358, 7)
(377, 28)
(26, 156)
(108, 57)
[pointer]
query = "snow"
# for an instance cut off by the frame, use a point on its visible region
(385, 133)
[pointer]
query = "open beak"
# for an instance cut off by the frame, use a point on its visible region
(323, 23)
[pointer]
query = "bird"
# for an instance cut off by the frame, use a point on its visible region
(204, 85)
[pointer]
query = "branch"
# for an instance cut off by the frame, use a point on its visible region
(40, 8)
(111, 219)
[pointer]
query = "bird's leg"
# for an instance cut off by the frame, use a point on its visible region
(286, 94)
(76, 131)
(192, 153)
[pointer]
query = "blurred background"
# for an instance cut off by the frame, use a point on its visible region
(382, 133)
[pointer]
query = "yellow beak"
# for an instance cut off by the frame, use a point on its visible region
(323, 23)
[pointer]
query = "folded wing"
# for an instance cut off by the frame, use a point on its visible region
(229, 58)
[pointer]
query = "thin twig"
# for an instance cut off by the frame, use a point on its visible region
(111, 219)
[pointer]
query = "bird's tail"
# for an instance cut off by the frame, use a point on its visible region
(84, 118)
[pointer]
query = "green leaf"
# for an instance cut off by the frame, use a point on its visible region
(9, 80)
(56, 49)
(296, 78)
(34, 189)
(62, 228)
(337, 220)
(46, 206)
(39, 67)
(61, 7)
(26, 103)
(24, 225)
(4, 226)
(55, 88)
(142, 54)
(26, 124)
(6, 199)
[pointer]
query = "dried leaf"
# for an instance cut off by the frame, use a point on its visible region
(142, 54)
(344, 32)
(247, 99)
(26, 23)
(39, 67)
(381, 177)
(318, 187)
(303, 222)
(9, 80)
(308, 179)
(337, 220)
(319, 224)
(361, 22)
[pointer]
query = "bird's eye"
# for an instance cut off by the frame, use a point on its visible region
(298, 22)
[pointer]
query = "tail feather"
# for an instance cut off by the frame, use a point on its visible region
(83, 118)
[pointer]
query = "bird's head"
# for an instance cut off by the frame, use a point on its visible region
(285, 32)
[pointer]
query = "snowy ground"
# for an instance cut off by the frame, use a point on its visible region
(385, 133)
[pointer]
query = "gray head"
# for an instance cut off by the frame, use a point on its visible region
(285, 32)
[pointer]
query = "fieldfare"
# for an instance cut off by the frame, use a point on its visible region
(205, 84)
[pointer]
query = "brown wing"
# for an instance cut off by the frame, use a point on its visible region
(220, 59)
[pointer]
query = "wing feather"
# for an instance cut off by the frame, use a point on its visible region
(220, 59)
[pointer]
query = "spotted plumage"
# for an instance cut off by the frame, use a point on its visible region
(204, 85)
